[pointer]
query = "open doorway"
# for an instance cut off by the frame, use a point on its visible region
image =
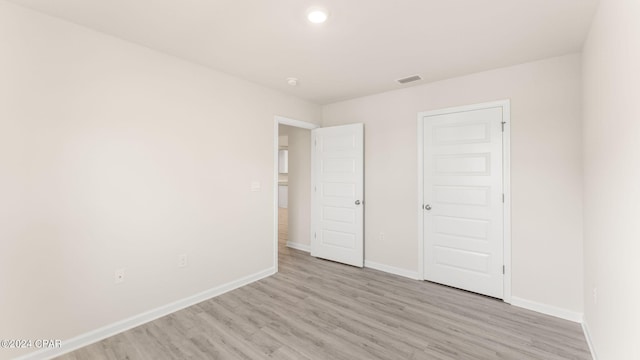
(283, 186)
(328, 219)
(292, 186)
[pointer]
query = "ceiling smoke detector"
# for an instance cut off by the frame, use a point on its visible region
(409, 79)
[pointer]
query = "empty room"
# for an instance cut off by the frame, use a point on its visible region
(302, 179)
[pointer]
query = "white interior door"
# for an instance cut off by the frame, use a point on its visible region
(338, 189)
(463, 199)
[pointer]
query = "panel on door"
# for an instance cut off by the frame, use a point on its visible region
(463, 200)
(338, 188)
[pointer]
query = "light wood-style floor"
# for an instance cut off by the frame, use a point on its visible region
(317, 309)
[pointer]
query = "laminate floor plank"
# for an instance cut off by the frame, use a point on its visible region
(317, 309)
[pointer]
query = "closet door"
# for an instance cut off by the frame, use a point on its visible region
(463, 200)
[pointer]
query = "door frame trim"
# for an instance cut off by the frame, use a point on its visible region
(277, 121)
(506, 183)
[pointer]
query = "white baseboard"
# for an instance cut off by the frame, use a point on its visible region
(587, 335)
(547, 309)
(137, 320)
(298, 246)
(392, 270)
(368, 264)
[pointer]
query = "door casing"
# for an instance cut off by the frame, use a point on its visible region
(506, 143)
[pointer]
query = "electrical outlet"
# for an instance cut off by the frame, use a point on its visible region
(595, 295)
(119, 276)
(182, 260)
(381, 237)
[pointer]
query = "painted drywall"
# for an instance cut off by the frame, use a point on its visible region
(114, 156)
(283, 140)
(299, 180)
(546, 170)
(611, 177)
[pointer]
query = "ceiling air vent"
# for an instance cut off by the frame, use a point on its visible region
(409, 79)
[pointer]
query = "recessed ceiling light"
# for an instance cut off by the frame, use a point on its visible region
(292, 81)
(317, 16)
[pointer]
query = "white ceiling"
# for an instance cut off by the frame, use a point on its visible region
(362, 49)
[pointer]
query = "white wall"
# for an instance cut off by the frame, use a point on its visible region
(113, 155)
(299, 184)
(612, 175)
(546, 170)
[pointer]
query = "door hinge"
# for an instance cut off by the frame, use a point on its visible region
(315, 235)
(504, 122)
(502, 269)
(503, 197)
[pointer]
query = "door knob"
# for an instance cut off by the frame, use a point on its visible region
(357, 202)
(427, 207)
